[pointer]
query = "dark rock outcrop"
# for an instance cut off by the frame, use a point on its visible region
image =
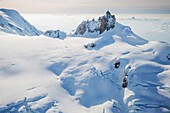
(81, 29)
(104, 23)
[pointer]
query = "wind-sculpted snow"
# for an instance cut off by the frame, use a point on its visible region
(94, 80)
(60, 66)
(40, 104)
(12, 22)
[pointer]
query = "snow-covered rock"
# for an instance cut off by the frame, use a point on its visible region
(104, 23)
(12, 22)
(89, 45)
(105, 28)
(124, 33)
(55, 34)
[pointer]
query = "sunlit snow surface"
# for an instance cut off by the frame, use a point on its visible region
(46, 75)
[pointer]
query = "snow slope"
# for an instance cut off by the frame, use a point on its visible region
(12, 22)
(46, 75)
(66, 77)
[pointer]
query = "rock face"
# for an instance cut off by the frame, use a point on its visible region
(55, 34)
(103, 23)
(12, 22)
(81, 28)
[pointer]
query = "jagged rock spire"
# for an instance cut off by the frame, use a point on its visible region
(108, 13)
(104, 23)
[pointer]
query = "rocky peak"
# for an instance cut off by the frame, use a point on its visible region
(108, 14)
(103, 23)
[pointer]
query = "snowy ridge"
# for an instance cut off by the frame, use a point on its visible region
(92, 30)
(12, 22)
(124, 33)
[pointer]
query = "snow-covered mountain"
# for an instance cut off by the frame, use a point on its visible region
(112, 28)
(104, 23)
(55, 34)
(116, 72)
(12, 22)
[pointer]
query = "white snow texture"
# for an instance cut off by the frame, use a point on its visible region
(81, 74)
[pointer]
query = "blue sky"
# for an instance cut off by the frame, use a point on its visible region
(87, 6)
